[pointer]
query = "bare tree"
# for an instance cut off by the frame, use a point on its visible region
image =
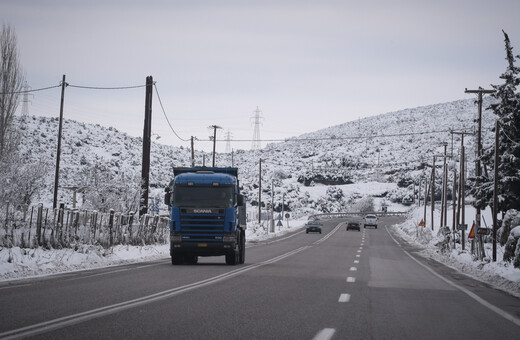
(11, 82)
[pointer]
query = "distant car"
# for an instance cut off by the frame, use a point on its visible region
(313, 227)
(370, 221)
(354, 225)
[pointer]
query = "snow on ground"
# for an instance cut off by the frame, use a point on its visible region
(500, 274)
(23, 263)
(16, 263)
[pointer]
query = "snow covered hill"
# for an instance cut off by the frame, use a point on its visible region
(395, 147)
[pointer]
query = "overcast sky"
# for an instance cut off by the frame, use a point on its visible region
(307, 65)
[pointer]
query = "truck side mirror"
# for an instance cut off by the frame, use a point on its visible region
(240, 200)
(167, 196)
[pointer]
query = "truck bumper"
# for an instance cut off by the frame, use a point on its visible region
(202, 248)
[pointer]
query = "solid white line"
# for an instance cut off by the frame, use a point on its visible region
(325, 334)
(328, 235)
(344, 297)
(472, 295)
(351, 279)
(69, 320)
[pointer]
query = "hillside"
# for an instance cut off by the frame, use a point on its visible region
(391, 148)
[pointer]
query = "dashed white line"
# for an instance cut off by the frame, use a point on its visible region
(353, 269)
(351, 279)
(344, 297)
(325, 334)
(356, 261)
(358, 255)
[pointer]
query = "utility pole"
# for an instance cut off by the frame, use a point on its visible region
(461, 213)
(214, 127)
(192, 153)
(495, 193)
(425, 197)
(443, 193)
(463, 190)
(147, 134)
(272, 205)
(260, 192)
(480, 92)
(454, 200)
(432, 186)
(58, 152)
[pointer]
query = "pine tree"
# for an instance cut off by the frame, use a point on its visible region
(507, 110)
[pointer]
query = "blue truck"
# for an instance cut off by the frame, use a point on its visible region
(208, 215)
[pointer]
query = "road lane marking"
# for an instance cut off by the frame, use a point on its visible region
(466, 291)
(353, 269)
(324, 238)
(358, 255)
(356, 261)
(73, 319)
(325, 334)
(359, 251)
(344, 297)
(351, 279)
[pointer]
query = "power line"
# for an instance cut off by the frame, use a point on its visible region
(335, 138)
(107, 88)
(164, 113)
(33, 90)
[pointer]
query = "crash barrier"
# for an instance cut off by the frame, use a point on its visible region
(358, 214)
(68, 228)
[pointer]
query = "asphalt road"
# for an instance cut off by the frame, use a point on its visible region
(335, 285)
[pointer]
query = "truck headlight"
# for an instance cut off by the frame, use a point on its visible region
(229, 238)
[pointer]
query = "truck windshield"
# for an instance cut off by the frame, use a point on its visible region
(203, 196)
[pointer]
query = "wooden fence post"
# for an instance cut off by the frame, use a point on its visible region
(110, 226)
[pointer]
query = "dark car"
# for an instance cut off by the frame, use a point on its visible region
(313, 227)
(354, 225)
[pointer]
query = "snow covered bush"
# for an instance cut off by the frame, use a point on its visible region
(511, 220)
(512, 248)
(365, 205)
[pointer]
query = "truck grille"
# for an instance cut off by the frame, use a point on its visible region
(202, 227)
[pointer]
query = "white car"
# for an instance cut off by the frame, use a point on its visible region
(370, 221)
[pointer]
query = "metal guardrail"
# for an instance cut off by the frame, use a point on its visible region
(360, 214)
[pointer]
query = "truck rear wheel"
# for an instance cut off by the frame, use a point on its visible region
(177, 260)
(242, 249)
(191, 259)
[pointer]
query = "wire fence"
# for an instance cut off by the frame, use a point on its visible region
(70, 228)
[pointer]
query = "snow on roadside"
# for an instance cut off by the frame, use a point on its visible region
(500, 274)
(17, 263)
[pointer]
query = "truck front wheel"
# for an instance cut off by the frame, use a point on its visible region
(232, 259)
